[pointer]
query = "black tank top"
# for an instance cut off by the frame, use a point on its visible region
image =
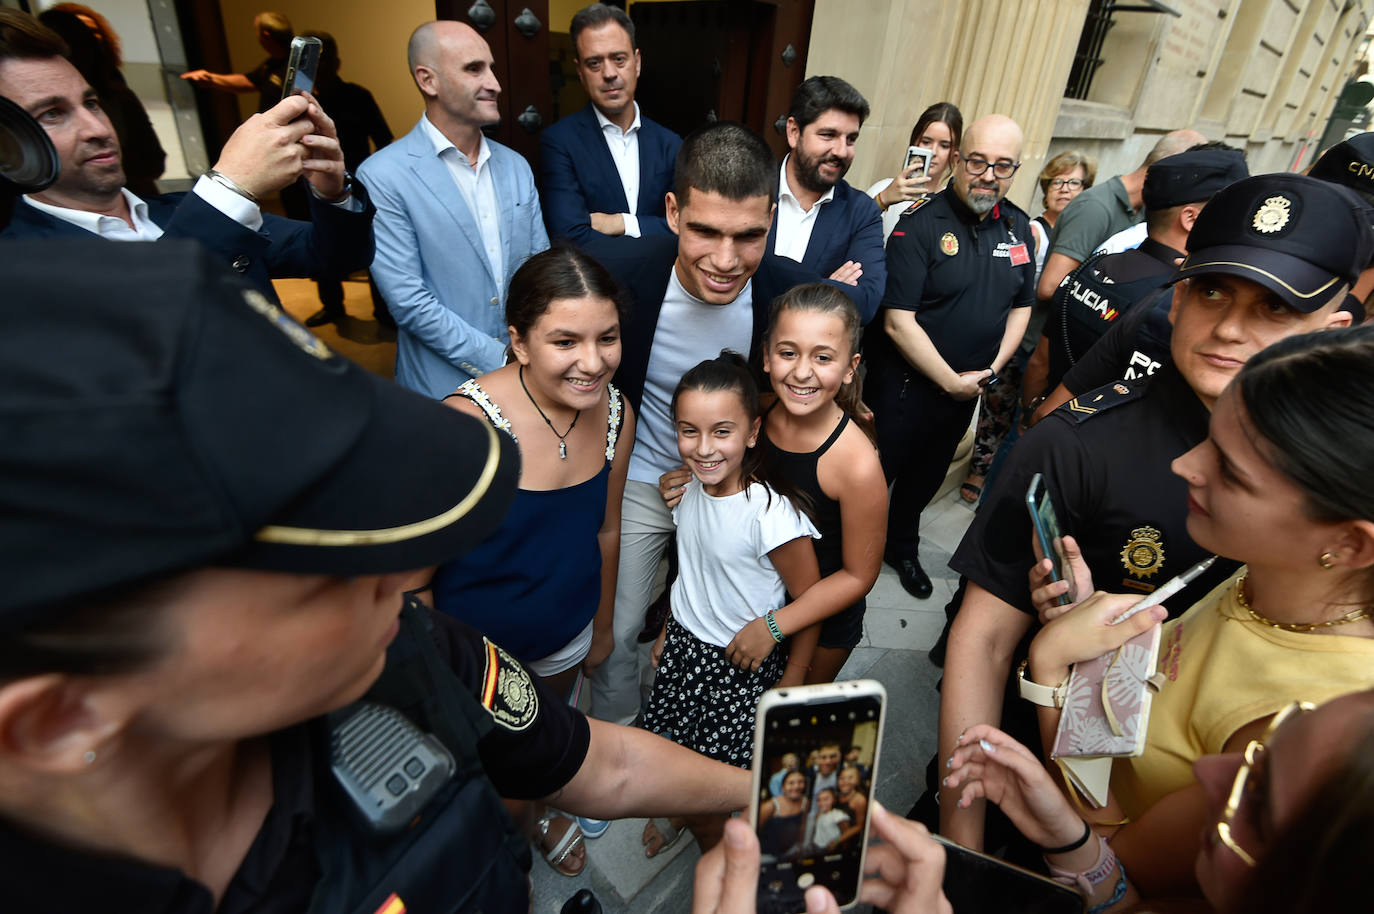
(801, 471)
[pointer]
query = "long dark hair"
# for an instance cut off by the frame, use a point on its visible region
(819, 298)
(940, 113)
(729, 371)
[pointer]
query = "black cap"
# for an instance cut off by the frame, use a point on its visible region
(1301, 238)
(158, 415)
(1194, 176)
(1349, 163)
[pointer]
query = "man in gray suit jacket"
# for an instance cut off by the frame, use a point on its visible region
(457, 214)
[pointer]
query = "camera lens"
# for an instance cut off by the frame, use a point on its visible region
(28, 161)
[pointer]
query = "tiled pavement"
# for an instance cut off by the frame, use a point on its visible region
(898, 631)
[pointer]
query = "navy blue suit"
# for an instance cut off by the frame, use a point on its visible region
(334, 244)
(577, 176)
(849, 227)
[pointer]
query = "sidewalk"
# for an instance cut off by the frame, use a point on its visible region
(898, 631)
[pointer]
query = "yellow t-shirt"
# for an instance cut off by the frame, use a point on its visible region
(1225, 670)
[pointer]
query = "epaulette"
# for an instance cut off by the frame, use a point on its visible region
(1082, 408)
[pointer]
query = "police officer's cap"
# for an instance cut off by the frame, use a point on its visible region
(1194, 176)
(157, 415)
(1301, 238)
(1349, 163)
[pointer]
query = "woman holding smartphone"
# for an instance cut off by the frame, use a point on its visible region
(1285, 483)
(940, 128)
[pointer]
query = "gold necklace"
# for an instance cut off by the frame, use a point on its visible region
(1355, 615)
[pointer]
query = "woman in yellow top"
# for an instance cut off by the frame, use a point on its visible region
(1285, 483)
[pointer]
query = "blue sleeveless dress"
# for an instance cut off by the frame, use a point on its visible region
(535, 583)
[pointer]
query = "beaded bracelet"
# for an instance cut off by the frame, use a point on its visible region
(773, 626)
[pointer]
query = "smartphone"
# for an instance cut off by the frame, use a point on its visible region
(815, 764)
(989, 381)
(918, 152)
(1050, 535)
(977, 882)
(301, 66)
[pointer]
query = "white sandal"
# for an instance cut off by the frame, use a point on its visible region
(570, 842)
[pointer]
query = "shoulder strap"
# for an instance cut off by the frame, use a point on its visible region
(613, 415)
(473, 391)
(1095, 402)
(835, 435)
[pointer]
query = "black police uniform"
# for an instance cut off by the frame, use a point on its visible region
(314, 854)
(961, 275)
(1105, 458)
(1135, 347)
(1093, 297)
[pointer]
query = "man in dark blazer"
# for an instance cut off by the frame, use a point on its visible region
(606, 170)
(822, 223)
(703, 289)
(266, 153)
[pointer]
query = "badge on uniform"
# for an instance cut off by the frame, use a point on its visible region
(507, 692)
(1019, 255)
(949, 244)
(1144, 553)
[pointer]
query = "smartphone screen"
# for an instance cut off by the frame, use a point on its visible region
(918, 154)
(302, 66)
(815, 786)
(977, 882)
(1051, 537)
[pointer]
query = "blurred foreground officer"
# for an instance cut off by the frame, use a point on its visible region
(209, 523)
(960, 285)
(266, 153)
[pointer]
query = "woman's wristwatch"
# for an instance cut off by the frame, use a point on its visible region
(1043, 695)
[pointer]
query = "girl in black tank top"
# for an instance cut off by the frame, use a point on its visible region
(811, 359)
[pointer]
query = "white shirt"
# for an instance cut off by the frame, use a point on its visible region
(478, 187)
(794, 223)
(725, 579)
(1124, 240)
(240, 209)
(624, 147)
(688, 331)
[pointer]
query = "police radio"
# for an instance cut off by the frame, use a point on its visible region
(389, 767)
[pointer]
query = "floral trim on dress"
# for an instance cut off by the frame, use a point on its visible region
(474, 392)
(612, 421)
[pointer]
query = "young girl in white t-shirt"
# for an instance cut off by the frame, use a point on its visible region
(742, 547)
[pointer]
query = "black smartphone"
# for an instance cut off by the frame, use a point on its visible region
(815, 764)
(1050, 536)
(301, 66)
(989, 381)
(977, 882)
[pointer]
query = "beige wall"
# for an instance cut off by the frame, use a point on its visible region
(372, 44)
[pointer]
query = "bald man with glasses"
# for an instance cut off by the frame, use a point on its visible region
(960, 285)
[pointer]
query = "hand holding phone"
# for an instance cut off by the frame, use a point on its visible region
(1050, 536)
(815, 761)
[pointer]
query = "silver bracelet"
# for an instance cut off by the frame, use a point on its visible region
(225, 181)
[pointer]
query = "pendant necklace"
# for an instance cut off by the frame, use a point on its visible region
(562, 439)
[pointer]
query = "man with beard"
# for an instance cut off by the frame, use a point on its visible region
(457, 214)
(266, 153)
(605, 170)
(960, 286)
(823, 223)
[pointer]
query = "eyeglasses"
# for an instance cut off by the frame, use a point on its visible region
(1070, 183)
(1254, 750)
(976, 165)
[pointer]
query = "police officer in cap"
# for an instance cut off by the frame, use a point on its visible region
(1269, 257)
(1106, 286)
(210, 527)
(960, 286)
(1138, 344)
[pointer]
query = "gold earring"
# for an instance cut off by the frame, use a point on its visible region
(1328, 559)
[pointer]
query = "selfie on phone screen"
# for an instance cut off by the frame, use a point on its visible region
(815, 789)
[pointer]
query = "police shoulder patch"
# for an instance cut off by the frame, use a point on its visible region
(507, 692)
(1084, 407)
